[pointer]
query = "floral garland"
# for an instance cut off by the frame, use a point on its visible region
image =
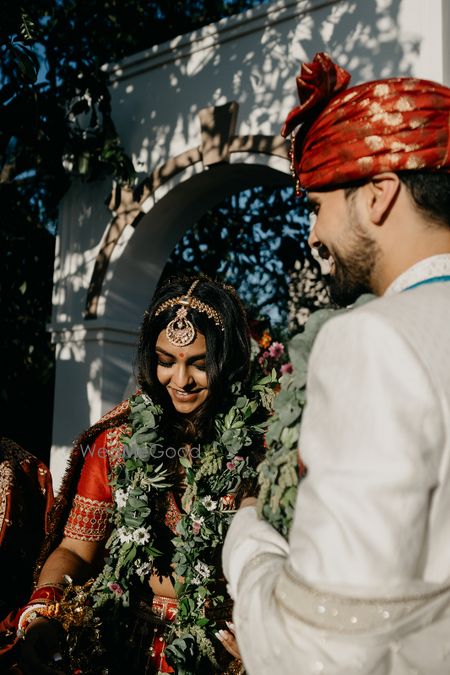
(280, 471)
(223, 465)
(131, 549)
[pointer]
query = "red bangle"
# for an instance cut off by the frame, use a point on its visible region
(46, 593)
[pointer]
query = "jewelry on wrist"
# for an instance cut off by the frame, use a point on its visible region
(29, 614)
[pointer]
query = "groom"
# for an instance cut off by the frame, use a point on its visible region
(363, 586)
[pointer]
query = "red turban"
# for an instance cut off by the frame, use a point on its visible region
(351, 134)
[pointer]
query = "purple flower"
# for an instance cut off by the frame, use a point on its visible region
(238, 458)
(115, 588)
(276, 349)
(286, 368)
(230, 466)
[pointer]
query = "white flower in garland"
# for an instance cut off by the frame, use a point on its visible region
(121, 497)
(142, 568)
(203, 572)
(209, 503)
(203, 569)
(125, 536)
(141, 535)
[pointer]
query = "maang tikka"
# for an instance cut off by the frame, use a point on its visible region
(180, 332)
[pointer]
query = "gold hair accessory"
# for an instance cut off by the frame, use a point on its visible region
(180, 331)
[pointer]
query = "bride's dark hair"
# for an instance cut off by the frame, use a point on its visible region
(227, 353)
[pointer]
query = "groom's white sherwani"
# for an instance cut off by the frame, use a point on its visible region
(363, 585)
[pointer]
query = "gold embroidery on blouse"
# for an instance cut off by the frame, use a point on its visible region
(114, 447)
(88, 519)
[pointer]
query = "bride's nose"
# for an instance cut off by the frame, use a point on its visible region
(181, 377)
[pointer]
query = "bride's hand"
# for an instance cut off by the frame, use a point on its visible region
(41, 650)
(228, 640)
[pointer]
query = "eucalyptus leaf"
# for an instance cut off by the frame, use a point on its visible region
(184, 461)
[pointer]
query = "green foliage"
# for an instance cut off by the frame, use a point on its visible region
(278, 473)
(225, 464)
(64, 116)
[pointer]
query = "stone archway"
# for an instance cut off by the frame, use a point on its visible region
(174, 196)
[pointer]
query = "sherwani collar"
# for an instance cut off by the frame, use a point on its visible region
(435, 266)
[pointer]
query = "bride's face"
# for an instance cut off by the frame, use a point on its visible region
(182, 371)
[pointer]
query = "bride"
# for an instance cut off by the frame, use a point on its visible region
(148, 497)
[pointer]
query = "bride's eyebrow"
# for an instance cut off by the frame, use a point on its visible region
(196, 357)
(161, 351)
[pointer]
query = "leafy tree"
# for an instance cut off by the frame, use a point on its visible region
(63, 118)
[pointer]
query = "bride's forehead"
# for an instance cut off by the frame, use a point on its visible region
(197, 346)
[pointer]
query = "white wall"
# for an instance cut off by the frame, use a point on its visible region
(253, 59)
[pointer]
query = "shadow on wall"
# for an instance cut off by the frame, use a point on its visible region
(156, 110)
(135, 274)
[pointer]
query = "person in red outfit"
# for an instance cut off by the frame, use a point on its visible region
(26, 496)
(193, 351)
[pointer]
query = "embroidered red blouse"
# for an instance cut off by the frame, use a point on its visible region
(89, 517)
